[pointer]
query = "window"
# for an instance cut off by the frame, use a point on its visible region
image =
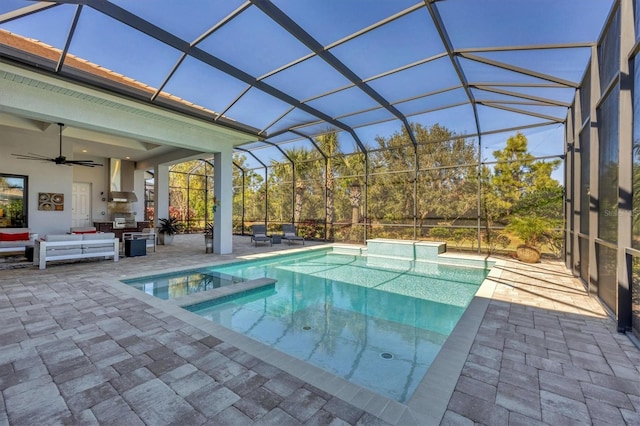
(13, 205)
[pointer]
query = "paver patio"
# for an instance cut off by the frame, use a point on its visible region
(77, 349)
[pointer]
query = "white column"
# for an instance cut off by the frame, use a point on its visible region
(139, 189)
(223, 187)
(161, 193)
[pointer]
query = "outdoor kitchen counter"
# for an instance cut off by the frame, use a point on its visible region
(107, 226)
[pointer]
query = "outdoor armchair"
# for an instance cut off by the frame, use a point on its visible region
(260, 235)
(289, 233)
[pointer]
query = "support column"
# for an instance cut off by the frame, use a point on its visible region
(223, 189)
(576, 190)
(139, 189)
(594, 159)
(569, 174)
(625, 166)
(161, 193)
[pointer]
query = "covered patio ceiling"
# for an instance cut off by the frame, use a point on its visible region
(287, 71)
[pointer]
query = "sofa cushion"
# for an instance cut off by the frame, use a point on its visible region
(100, 236)
(63, 237)
(17, 236)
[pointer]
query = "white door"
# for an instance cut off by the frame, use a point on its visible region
(81, 204)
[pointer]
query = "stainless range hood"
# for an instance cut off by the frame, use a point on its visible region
(116, 194)
(122, 197)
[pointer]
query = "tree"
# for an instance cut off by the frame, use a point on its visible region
(191, 192)
(448, 177)
(446, 183)
(301, 159)
(247, 186)
(348, 198)
(518, 180)
(280, 192)
(328, 144)
(520, 187)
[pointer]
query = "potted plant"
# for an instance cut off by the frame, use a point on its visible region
(167, 229)
(208, 237)
(534, 232)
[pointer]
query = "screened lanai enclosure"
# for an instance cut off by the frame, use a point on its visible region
(454, 120)
(438, 189)
(430, 190)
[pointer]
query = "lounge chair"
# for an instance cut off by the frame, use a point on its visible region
(289, 234)
(260, 235)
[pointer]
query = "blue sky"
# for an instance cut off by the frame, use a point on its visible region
(255, 44)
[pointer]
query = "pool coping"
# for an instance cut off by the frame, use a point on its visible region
(425, 407)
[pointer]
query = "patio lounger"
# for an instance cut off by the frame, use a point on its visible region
(260, 234)
(289, 234)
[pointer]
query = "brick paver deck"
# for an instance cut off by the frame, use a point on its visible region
(75, 348)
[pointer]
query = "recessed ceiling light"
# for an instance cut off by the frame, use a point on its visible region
(84, 150)
(127, 158)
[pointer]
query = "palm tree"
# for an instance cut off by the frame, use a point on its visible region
(301, 159)
(328, 144)
(353, 166)
(280, 191)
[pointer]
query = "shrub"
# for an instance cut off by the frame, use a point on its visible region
(461, 235)
(440, 233)
(495, 239)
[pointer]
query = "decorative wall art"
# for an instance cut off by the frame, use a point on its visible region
(51, 201)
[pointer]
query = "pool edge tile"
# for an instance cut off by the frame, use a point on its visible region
(445, 370)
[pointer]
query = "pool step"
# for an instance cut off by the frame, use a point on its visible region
(348, 249)
(216, 293)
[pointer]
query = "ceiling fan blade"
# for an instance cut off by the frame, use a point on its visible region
(31, 156)
(86, 163)
(43, 159)
(83, 162)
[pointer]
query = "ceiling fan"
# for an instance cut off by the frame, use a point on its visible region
(60, 159)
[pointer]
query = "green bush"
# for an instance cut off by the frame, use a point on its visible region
(461, 235)
(532, 230)
(440, 233)
(495, 240)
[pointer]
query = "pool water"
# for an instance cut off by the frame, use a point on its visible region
(170, 286)
(379, 326)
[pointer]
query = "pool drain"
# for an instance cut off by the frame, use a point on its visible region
(386, 355)
(306, 327)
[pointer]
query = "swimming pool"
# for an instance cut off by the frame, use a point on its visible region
(379, 326)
